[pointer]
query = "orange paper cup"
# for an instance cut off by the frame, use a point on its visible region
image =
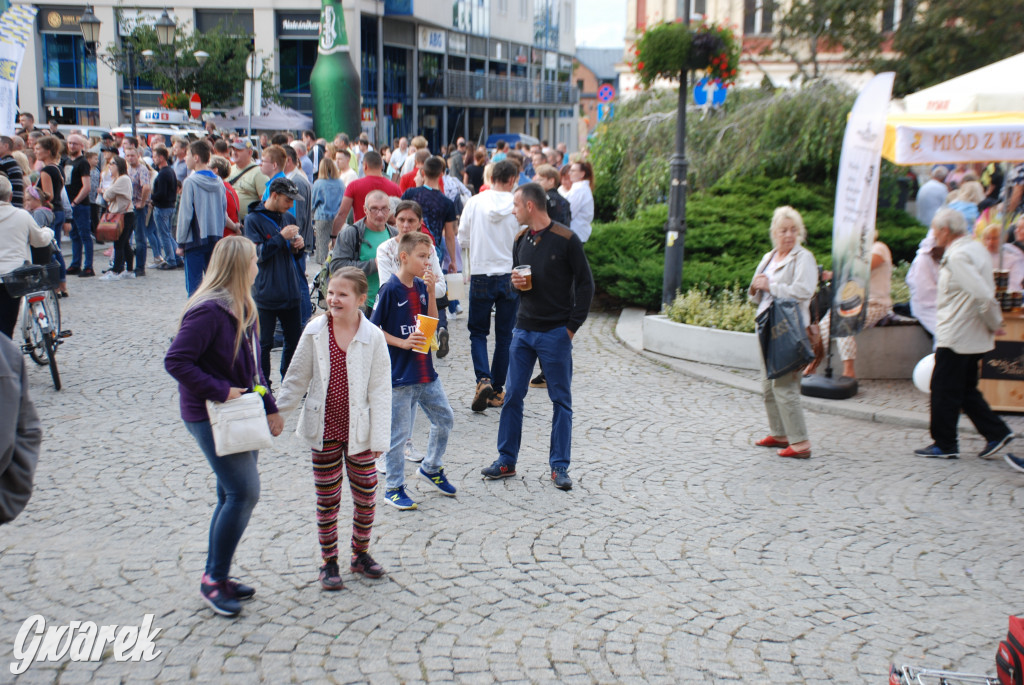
(426, 325)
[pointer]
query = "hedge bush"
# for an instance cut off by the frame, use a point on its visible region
(727, 234)
(795, 135)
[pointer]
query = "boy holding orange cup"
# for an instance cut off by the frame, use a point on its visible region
(406, 310)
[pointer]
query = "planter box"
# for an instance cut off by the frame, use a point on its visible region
(698, 344)
(883, 353)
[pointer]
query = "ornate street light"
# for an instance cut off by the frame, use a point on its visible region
(90, 25)
(165, 28)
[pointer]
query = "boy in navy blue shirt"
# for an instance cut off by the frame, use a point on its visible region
(413, 380)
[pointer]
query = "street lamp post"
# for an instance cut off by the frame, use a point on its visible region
(125, 63)
(675, 229)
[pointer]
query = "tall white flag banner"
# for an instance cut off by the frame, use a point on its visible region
(853, 227)
(15, 30)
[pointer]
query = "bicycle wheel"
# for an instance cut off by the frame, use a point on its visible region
(32, 334)
(52, 304)
(50, 344)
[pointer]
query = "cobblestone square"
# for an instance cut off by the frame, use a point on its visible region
(682, 555)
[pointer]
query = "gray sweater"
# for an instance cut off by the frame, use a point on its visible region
(20, 433)
(202, 210)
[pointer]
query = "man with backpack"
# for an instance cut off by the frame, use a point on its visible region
(357, 243)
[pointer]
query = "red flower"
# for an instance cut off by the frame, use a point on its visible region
(637, 53)
(640, 66)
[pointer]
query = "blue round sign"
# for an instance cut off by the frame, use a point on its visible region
(713, 90)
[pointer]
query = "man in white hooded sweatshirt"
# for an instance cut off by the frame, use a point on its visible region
(488, 230)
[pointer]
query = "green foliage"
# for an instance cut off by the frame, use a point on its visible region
(793, 134)
(945, 38)
(900, 290)
(727, 234)
(727, 310)
(219, 83)
(809, 26)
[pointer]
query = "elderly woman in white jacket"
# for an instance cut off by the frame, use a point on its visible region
(20, 232)
(788, 271)
(343, 368)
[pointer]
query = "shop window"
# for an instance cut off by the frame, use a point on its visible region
(296, 59)
(66, 63)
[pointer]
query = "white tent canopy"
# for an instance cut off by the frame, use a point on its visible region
(273, 117)
(995, 88)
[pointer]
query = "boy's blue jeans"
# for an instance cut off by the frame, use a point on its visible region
(431, 397)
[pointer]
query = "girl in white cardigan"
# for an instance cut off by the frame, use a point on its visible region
(342, 366)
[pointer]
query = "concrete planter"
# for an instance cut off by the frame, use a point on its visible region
(698, 344)
(883, 353)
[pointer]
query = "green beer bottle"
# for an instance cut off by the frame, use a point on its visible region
(334, 81)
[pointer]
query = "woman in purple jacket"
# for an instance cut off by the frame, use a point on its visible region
(212, 359)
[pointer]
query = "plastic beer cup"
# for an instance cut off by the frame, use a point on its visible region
(524, 271)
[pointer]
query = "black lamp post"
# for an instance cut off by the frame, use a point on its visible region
(165, 35)
(125, 63)
(675, 228)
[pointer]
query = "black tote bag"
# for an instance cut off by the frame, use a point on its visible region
(783, 337)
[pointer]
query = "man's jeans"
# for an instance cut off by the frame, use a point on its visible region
(238, 491)
(164, 243)
(432, 398)
(486, 292)
(81, 236)
(143, 217)
(554, 350)
(196, 261)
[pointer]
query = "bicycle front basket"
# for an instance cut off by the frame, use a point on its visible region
(32, 278)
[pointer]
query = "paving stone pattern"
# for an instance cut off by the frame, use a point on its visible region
(682, 555)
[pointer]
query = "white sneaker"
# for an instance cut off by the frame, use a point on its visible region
(110, 276)
(382, 465)
(125, 275)
(412, 454)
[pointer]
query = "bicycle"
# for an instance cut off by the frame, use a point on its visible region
(40, 313)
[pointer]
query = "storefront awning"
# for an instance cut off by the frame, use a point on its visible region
(953, 138)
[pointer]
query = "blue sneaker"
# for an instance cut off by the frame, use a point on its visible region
(397, 498)
(992, 448)
(1015, 462)
(934, 452)
(497, 470)
(438, 480)
(220, 597)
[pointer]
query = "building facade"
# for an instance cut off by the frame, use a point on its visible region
(440, 68)
(753, 21)
(595, 67)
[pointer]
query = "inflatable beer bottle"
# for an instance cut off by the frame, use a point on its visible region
(334, 81)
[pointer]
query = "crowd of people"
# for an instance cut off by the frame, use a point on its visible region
(389, 230)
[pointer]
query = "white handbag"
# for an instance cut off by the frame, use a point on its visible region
(240, 425)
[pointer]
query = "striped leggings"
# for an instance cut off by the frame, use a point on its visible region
(329, 468)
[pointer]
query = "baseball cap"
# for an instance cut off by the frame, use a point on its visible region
(106, 136)
(285, 186)
(242, 144)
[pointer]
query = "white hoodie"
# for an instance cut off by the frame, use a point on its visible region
(19, 231)
(488, 230)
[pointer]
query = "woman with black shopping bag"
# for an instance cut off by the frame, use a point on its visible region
(783, 286)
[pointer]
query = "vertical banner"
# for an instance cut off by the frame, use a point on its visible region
(853, 228)
(16, 25)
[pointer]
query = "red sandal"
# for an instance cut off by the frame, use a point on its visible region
(790, 452)
(770, 441)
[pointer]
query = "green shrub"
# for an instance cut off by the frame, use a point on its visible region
(728, 309)
(727, 234)
(794, 135)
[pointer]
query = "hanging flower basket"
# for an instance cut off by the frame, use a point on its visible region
(174, 101)
(668, 49)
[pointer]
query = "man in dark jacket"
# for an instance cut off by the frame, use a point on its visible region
(20, 433)
(276, 291)
(165, 192)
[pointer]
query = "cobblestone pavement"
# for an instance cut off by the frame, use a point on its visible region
(682, 555)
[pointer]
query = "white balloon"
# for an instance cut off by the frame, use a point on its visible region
(923, 373)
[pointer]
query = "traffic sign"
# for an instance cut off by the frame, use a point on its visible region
(605, 111)
(709, 93)
(606, 93)
(195, 106)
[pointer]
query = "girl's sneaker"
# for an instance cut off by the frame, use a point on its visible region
(363, 563)
(241, 591)
(330, 577)
(220, 597)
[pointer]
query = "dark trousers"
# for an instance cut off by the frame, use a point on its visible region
(955, 387)
(8, 312)
(291, 324)
(123, 252)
